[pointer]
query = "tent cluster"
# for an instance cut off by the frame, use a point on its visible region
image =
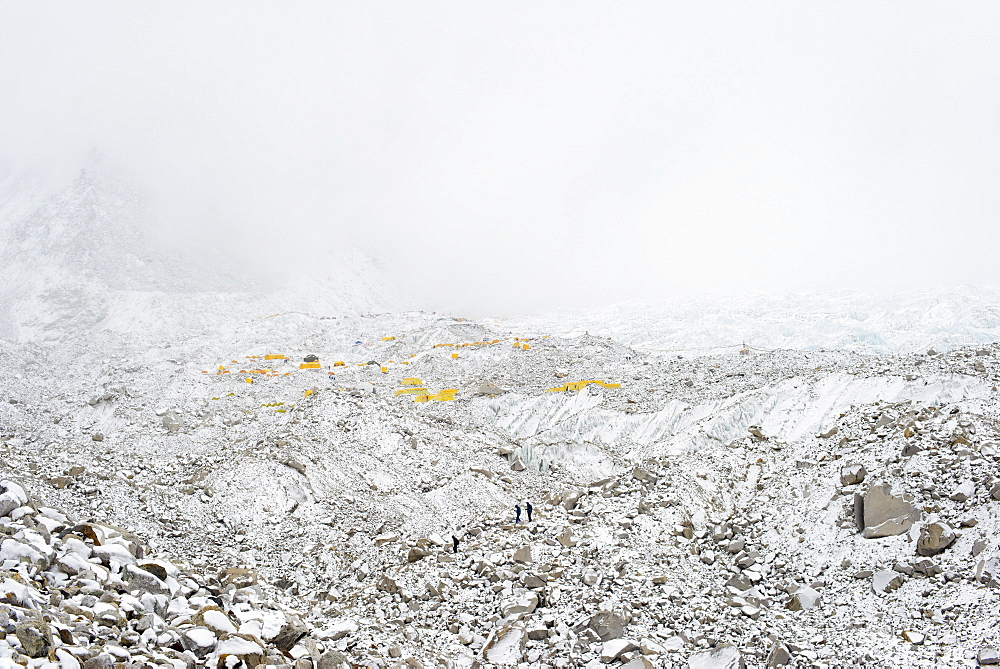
(421, 394)
(580, 385)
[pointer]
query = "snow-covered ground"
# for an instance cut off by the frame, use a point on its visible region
(901, 322)
(711, 506)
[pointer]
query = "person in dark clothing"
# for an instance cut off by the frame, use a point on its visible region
(517, 513)
(529, 509)
(454, 543)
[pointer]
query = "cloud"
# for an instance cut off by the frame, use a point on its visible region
(504, 156)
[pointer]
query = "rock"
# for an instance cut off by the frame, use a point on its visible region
(199, 640)
(927, 567)
(934, 538)
(591, 576)
(333, 659)
(517, 463)
(978, 547)
(241, 577)
(995, 491)
(340, 629)
(988, 657)
(886, 581)
(521, 606)
(387, 584)
(571, 499)
(171, 422)
(913, 637)
(638, 663)
(649, 647)
(293, 630)
(415, 554)
(537, 631)
(737, 545)
(964, 491)
(644, 476)
(505, 646)
(778, 656)
(804, 599)
(607, 625)
(35, 636)
(852, 474)
(566, 538)
(988, 572)
(612, 650)
(886, 514)
(522, 554)
(720, 657)
(97, 436)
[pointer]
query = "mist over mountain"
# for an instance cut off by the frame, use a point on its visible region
(97, 255)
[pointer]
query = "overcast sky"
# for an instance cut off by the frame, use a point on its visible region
(507, 155)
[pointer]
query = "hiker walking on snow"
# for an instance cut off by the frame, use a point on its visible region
(517, 513)
(529, 509)
(454, 543)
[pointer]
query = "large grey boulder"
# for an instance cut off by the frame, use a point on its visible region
(35, 637)
(852, 474)
(934, 538)
(607, 625)
(885, 514)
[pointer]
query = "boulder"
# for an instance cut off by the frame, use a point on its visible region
(885, 514)
(520, 607)
(804, 599)
(852, 474)
(643, 476)
(172, 423)
(387, 584)
(934, 538)
(964, 491)
(517, 462)
(607, 625)
(293, 630)
(988, 657)
(886, 581)
(415, 554)
(988, 572)
(505, 646)
(778, 656)
(35, 636)
(720, 657)
(612, 650)
(566, 538)
(522, 554)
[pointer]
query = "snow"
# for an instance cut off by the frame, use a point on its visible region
(109, 332)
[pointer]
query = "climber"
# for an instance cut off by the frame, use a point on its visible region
(517, 513)
(529, 509)
(454, 543)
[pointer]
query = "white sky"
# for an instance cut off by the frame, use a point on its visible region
(511, 155)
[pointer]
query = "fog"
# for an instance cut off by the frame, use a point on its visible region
(510, 156)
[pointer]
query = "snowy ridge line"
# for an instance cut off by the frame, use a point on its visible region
(789, 410)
